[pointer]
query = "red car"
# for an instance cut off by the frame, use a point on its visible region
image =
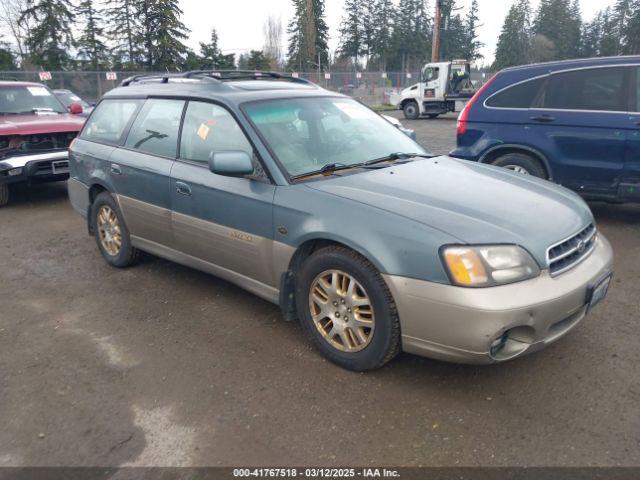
(35, 132)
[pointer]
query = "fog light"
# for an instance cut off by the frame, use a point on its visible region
(498, 344)
(15, 171)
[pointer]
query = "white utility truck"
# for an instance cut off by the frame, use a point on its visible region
(444, 87)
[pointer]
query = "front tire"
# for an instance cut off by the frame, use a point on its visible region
(411, 110)
(521, 163)
(4, 194)
(111, 232)
(346, 309)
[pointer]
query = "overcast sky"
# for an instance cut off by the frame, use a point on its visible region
(239, 22)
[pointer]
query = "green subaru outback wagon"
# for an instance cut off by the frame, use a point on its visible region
(312, 201)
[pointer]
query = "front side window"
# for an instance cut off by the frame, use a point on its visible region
(109, 120)
(305, 134)
(521, 95)
(28, 99)
(209, 129)
(156, 127)
(601, 89)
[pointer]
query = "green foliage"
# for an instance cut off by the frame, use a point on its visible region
(91, 47)
(559, 22)
(123, 28)
(257, 60)
(162, 34)
(308, 35)
(212, 57)
(50, 39)
(7, 60)
(411, 38)
(513, 42)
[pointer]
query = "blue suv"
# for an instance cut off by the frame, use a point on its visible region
(574, 122)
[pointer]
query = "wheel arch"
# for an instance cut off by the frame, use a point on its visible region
(493, 153)
(96, 187)
(303, 251)
(408, 100)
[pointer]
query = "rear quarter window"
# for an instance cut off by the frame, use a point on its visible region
(520, 95)
(109, 121)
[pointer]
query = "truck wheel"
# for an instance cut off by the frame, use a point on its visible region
(346, 309)
(112, 234)
(4, 194)
(521, 163)
(411, 110)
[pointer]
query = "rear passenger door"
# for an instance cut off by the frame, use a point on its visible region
(140, 170)
(226, 221)
(631, 179)
(581, 123)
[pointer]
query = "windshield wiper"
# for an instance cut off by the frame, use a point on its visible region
(395, 156)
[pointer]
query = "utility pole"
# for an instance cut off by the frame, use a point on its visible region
(437, 19)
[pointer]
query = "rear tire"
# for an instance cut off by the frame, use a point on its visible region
(111, 232)
(521, 163)
(4, 194)
(346, 309)
(411, 110)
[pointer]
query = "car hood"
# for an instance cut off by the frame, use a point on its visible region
(31, 124)
(474, 203)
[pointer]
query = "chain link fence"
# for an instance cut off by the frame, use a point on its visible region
(371, 88)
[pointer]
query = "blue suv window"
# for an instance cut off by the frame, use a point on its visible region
(521, 95)
(600, 89)
(155, 130)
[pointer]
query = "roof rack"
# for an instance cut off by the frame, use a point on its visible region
(217, 76)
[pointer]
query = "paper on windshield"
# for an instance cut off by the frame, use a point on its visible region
(39, 91)
(354, 111)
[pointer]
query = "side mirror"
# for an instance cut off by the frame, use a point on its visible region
(231, 164)
(75, 108)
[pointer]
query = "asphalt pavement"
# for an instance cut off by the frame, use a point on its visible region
(163, 365)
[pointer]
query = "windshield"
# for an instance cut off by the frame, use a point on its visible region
(67, 98)
(28, 99)
(308, 133)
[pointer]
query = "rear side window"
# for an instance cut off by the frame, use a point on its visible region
(521, 95)
(600, 89)
(155, 130)
(638, 90)
(108, 122)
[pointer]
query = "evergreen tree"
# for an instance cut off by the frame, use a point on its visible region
(90, 45)
(610, 42)
(630, 34)
(308, 35)
(453, 36)
(162, 34)
(257, 60)
(619, 18)
(513, 42)
(559, 22)
(352, 30)
(214, 59)
(7, 60)
(472, 45)
(591, 38)
(50, 38)
(383, 12)
(123, 29)
(411, 38)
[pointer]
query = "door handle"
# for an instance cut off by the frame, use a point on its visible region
(115, 169)
(183, 189)
(543, 118)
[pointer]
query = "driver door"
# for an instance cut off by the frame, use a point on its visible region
(225, 221)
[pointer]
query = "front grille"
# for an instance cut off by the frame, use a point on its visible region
(45, 142)
(566, 254)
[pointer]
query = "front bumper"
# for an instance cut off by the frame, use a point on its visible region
(459, 324)
(36, 168)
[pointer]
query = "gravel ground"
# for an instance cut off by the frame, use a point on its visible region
(163, 365)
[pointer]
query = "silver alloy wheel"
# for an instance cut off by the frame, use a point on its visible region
(517, 169)
(109, 230)
(341, 311)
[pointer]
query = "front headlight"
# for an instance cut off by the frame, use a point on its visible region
(488, 265)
